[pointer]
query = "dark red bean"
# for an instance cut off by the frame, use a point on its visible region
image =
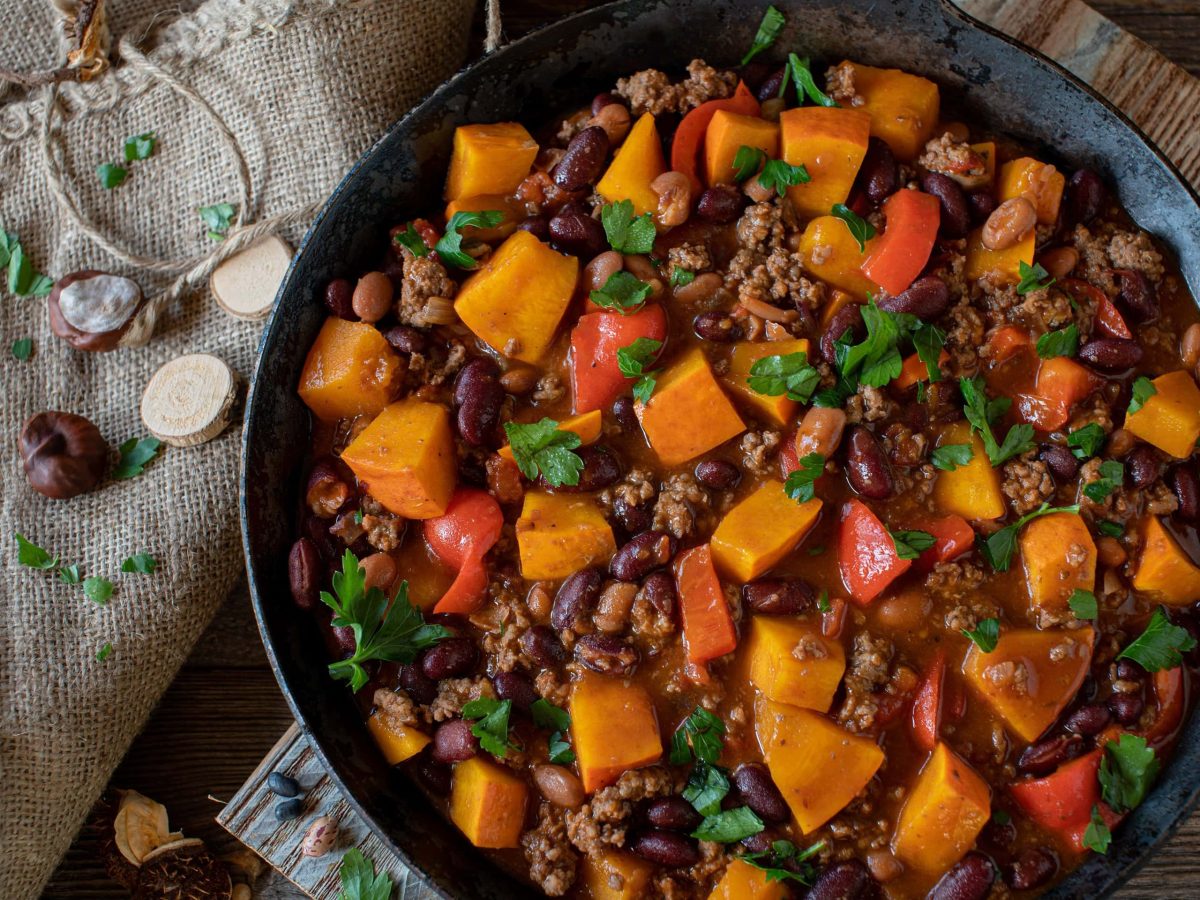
(925, 298)
(769, 89)
(879, 175)
(659, 589)
(406, 339)
(584, 160)
(665, 848)
(538, 226)
(777, 597)
(338, 296)
(575, 600)
(758, 790)
(1088, 720)
(1128, 670)
(304, 573)
(453, 742)
(1086, 195)
(641, 554)
(634, 518)
(602, 100)
(625, 414)
(574, 231)
(849, 317)
(1144, 465)
(450, 658)
(721, 204)
(971, 879)
(517, 687)
(847, 880)
(718, 474)
(480, 398)
(343, 636)
(1136, 297)
(1126, 708)
(1062, 462)
(436, 777)
(1031, 869)
(601, 468)
(672, 813)
(606, 654)
(982, 204)
(542, 645)
(867, 466)
(955, 208)
(1186, 485)
(417, 684)
(1045, 756)
(718, 327)
(1111, 354)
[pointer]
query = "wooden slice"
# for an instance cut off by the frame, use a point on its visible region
(245, 284)
(188, 400)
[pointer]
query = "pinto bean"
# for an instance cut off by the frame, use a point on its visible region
(1185, 482)
(1136, 297)
(925, 298)
(612, 609)
(1144, 465)
(1008, 223)
(450, 658)
(304, 573)
(666, 848)
(1063, 464)
(606, 654)
(574, 231)
(1086, 195)
(717, 327)
(614, 119)
(956, 211)
(1031, 869)
(970, 879)
(640, 555)
(718, 474)
(584, 160)
(867, 466)
(672, 814)
(559, 785)
(1088, 720)
(576, 599)
(1111, 354)
(542, 645)
(1045, 756)
(372, 297)
(848, 317)
(879, 175)
(701, 288)
(453, 742)
(597, 272)
(758, 789)
(778, 597)
(820, 431)
(847, 880)
(517, 687)
(379, 570)
(1059, 262)
(674, 192)
(1189, 346)
(721, 204)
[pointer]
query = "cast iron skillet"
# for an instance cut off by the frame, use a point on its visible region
(561, 67)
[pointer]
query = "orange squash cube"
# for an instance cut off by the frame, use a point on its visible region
(838, 299)
(1040, 182)
(727, 133)
(516, 300)
(828, 251)
(638, 161)
(1001, 266)
(1170, 419)
(350, 371)
(586, 425)
(1030, 676)
(948, 807)
(487, 803)
(971, 491)
(512, 211)
(1059, 556)
(903, 107)
(406, 459)
(616, 875)
(745, 354)
(489, 159)
(1164, 570)
(559, 534)
(743, 881)
(397, 742)
(743, 549)
(614, 728)
(791, 662)
(688, 413)
(830, 143)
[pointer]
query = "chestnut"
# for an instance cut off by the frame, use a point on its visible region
(98, 312)
(64, 454)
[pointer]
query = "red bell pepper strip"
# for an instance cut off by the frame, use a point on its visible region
(953, 536)
(596, 381)
(901, 252)
(1171, 689)
(461, 538)
(866, 554)
(1110, 321)
(927, 705)
(708, 630)
(1062, 800)
(689, 136)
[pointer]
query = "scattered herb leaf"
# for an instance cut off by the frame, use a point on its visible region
(104, 652)
(449, 246)
(911, 544)
(33, 556)
(1111, 477)
(788, 374)
(1064, 342)
(699, 735)
(1160, 646)
(217, 219)
(1083, 604)
(1086, 442)
(551, 718)
(97, 589)
(823, 601)
(140, 146)
(140, 563)
(800, 484)
(1110, 528)
(135, 454)
(69, 574)
(729, 826)
(1127, 770)
(622, 293)
(540, 447)
(998, 547)
(983, 413)
(411, 239)
(22, 348)
(359, 880)
(1097, 836)
(747, 161)
(1143, 390)
(778, 176)
(491, 726)
(681, 277)
(768, 30)
(626, 232)
(860, 229)
(798, 72)
(1033, 278)
(929, 341)
(785, 854)
(949, 457)
(986, 635)
(706, 787)
(632, 361)
(111, 175)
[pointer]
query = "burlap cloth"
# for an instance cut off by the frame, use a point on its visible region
(305, 86)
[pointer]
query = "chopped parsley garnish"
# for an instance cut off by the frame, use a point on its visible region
(1083, 604)
(876, 360)
(1128, 768)
(1160, 646)
(69, 574)
(140, 146)
(729, 826)
(1097, 836)
(1110, 528)
(788, 374)
(998, 547)
(929, 341)
(449, 246)
(798, 72)
(983, 414)
(111, 175)
(217, 219)
(949, 457)
(104, 652)
(800, 484)
(540, 447)
(22, 348)
(1086, 442)
(1033, 278)
(1143, 390)
(1112, 476)
(1001, 817)
(551, 718)
(359, 880)
(911, 544)
(1064, 342)
(141, 563)
(768, 30)
(707, 786)
(632, 361)
(491, 723)
(136, 453)
(785, 853)
(823, 604)
(32, 556)
(986, 635)
(699, 735)
(778, 176)
(622, 293)
(681, 277)
(747, 161)
(412, 241)
(22, 280)
(393, 632)
(860, 229)
(97, 589)
(627, 233)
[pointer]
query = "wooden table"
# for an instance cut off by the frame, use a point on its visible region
(224, 711)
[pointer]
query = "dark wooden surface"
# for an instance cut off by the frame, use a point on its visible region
(224, 711)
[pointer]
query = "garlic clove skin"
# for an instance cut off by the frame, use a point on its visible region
(98, 312)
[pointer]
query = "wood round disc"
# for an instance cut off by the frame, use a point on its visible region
(245, 284)
(188, 400)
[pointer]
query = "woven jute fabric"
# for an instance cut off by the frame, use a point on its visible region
(306, 86)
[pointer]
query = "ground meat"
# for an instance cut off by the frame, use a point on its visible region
(425, 292)
(1011, 676)
(1099, 412)
(396, 707)
(551, 686)
(603, 821)
(1119, 504)
(786, 280)
(1135, 250)
(758, 449)
(549, 389)
(839, 84)
(950, 157)
(809, 647)
(761, 227)
(952, 581)
(713, 860)
(1160, 500)
(964, 337)
(504, 622)
(650, 624)
(682, 506)
(904, 446)
(455, 693)
(383, 529)
(1027, 483)
(651, 91)
(548, 852)
(868, 404)
(504, 479)
(866, 673)
(1094, 265)
(635, 489)
(438, 368)
(692, 258)
(1045, 310)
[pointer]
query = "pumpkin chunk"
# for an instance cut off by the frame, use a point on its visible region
(398, 742)
(1059, 556)
(791, 662)
(1170, 419)
(489, 159)
(1164, 570)
(829, 252)
(638, 161)
(586, 425)
(511, 211)
(350, 370)
(948, 807)
(688, 414)
(1038, 182)
(903, 108)
(744, 355)
(1003, 266)
(614, 728)
(559, 534)
(744, 549)
(487, 803)
(727, 133)
(743, 881)
(972, 491)
(830, 143)
(616, 875)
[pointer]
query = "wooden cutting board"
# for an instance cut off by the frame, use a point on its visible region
(1161, 98)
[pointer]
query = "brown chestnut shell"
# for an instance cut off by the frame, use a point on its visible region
(94, 325)
(64, 454)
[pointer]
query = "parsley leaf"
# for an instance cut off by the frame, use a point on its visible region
(768, 30)
(801, 483)
(797, 71)
(393, 632)
(492, 725)
(449, 247)
(747, 161)
(1097, 836)
(778, 175)
(541, 447)
(632, 361)
(1083, 604)
(1086, 442)
(111, 175)
(982, 413)
(929, 341)
(411, 239)
(986, 635)
(135, 454)
(22, 348)
(860, 229)
(97, 589)
(1160, 646)
(1143, 390)
(729, 826)
(707, 786)
(911, 544)
(704, 731)
(217, 219)
(69, 574)
(949, 457)
(1126, 772)
(1112, 529)
(627, 233)
(823, 604)
(1064, 342)
(785, 853)
(681, 277)
(104, 652)
(621, 292)
(1033, 278)
(784, 374)
(1112, 476)
(551, 718)
(33, 556)
(141, 563)
(140, 146)
(22, 280)
(998, 547)
(876, 360)
(359, 881)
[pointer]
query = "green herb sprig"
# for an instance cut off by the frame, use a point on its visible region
(541, 448)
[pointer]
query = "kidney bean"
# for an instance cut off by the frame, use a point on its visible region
(538, 226)
(559, 785)
(1088, 720)
(1111, 354)
(339, 299)
(956, 211)
(718, 327)
(672, 814)
(452, 622)
(406, 339)
(574, 231)
(417, 684)
(847, 880)
(1045, 756)
(848, 317)
(372, 298)
(450, 658)
(879, 175)
(1186, 485)
(925, 298)
(606, 654)
(517, 687)
(1059, 262)
(304, 573)
(1062, 462)
(971, 879)
(614, 606)
(575, 600)
(1136, 295)
(479, 397)
(1128, 670)
(659, 590)
(867, 466)
(665, 848)
(542, 645)
(584, 160)
(1008, 223)
(438, 778)
(721, 204)
(453, 742)
(758, 789)
(1126, 708)
(1144, 465)
(778, 597)
(1031, 869)
(602, 100)
(760, 842)
(623, 411)
(982, 205)
(600, 469)
(718, 474)
(1086, 195)
(634, 518)
(641, 554)
(769, 89)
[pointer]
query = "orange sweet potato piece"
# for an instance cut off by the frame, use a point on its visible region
(948, 807)
(1059, 556)
(972, 491)
(614, 728)
(1170, 419)
(489, 159)
(828, 251)
(743, 549)
(1004, 266)
(743, 881)
(830, 143)
(616, 875)
(512, 211)
(727, 133)
(688, 413)
(1164, 570)
(745, 354)
(559, 534)
(487, 803)
(1031, 675)
(586, 425)
(517, 298)
(638, 161)
(903, 107)
(406, 458)
(790, 661)
(397, 742)
(350, 370)
(1040, 182)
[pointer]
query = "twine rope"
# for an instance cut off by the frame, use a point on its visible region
(492, 39)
